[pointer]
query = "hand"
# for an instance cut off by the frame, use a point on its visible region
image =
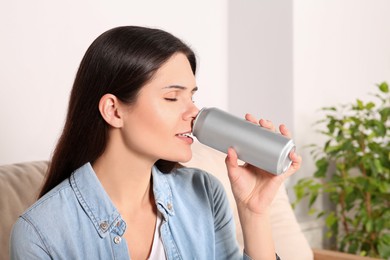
(254, 189)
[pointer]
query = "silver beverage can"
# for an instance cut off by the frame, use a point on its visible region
(254, 144)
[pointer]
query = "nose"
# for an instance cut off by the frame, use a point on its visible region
(191, 113)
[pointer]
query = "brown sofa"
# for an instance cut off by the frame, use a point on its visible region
(19, 184)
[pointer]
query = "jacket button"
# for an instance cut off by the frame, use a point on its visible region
(104, 226)
(169, 206)
(117, 239)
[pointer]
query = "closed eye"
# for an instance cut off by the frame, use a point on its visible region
(173, 96)
(171, 99)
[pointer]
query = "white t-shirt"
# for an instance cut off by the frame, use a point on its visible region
(158, 251)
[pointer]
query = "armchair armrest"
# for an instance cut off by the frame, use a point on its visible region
(321, 254)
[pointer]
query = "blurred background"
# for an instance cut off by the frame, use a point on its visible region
(281, 60)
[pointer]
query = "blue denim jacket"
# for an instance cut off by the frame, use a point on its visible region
(77, 220)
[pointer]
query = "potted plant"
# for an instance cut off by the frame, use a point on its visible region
(353, 172)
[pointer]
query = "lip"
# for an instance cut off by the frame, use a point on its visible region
(185, 133)
(186, 137)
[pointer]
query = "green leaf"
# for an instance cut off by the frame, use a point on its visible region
(322, 167)
(301, 187)
(378, 165)
(379, 224)
(385, 114)
(384, 87)
(331, 219)
(333, 149)
(321, 214)
(369, 225)
(312, 211)
(384, 246)
(380, 128)
(360, 104)
(313, 199)
(352, 249)
(370, 105)
(330, 108)
(350, 197)
(299, 192)
(384, 187)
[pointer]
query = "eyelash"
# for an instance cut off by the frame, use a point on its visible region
(175, 99)
(171, 99)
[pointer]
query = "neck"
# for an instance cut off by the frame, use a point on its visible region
(126, 178)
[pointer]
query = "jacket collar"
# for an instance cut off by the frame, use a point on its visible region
(99, 207)
(95, 201)
(162, 191)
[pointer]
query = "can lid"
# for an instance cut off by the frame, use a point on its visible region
(284, 159)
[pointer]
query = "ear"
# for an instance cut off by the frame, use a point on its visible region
(109, 107)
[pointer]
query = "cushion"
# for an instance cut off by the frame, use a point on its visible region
(19, 187)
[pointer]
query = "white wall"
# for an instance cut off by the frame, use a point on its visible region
(341, 50)
(42, 43)
(260, 59)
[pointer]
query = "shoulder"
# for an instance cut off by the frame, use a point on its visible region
(26, 240)
(196, 178)
(28, 233)
(191, 173)
(196, 185)
(51, 205)
(51, 202)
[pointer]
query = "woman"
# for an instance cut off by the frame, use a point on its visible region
(114, 189)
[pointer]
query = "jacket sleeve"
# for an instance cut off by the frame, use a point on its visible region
(225, 230)
(226, 245)
(25, 242)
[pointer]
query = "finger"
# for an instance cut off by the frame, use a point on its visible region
(284, 131)
(251, 118)
(231, 159)
(295, 165)
(232, 164)
(296, 158)
(267, 124)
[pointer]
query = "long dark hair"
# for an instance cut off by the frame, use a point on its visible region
(120, 61)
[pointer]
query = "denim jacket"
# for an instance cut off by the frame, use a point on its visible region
(77, 220)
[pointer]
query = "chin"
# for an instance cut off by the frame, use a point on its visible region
(182, 157)
(184, 160)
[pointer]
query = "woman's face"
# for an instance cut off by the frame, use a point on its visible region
(158, 124)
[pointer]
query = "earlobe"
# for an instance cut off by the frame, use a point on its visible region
(109, 110)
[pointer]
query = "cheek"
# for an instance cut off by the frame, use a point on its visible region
(152, 123)
(145, 115)
(160, 116)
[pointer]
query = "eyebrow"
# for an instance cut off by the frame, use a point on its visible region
(180, 87)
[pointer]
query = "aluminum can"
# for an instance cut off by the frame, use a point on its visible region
(253, 144)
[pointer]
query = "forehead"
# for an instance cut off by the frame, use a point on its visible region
(175, 71)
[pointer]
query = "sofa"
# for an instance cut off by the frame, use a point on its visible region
(20, 183)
